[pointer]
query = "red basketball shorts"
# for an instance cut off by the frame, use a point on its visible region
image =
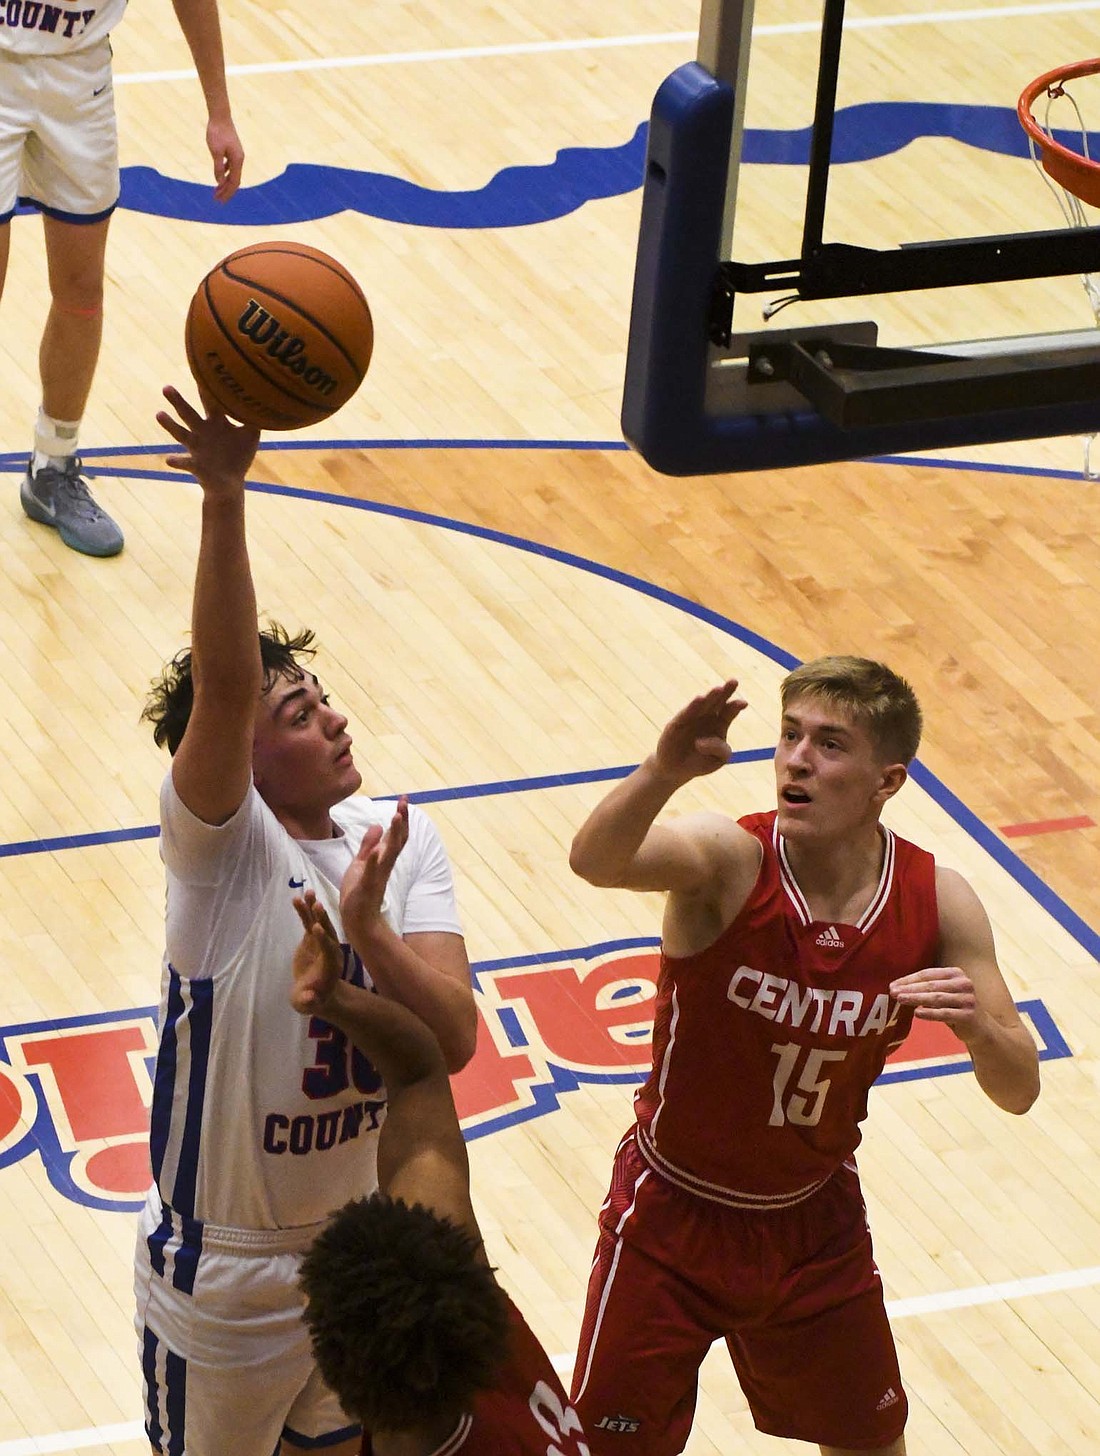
(794, 1293)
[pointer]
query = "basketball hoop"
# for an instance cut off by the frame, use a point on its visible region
(1075, 171)
(1073, 177)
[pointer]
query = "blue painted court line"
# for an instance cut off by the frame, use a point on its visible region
(17, 460)
(1025, 877)
(416, 796)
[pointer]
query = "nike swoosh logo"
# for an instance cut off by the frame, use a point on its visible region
(100, 90)
(295, 884)
(47, 506)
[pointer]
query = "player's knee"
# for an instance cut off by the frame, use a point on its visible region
(76, 289)
(79, 306)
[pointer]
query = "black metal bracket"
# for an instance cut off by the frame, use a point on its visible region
(857, 384)
(841, 270)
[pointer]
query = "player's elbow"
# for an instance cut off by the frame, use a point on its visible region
(1025, 1097)
(591, 867)
(1020, 1094)
(461, 1043)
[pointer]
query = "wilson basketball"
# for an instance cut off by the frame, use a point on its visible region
(279, 335)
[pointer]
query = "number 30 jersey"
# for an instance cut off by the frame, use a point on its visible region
(261, 1118)
(765, 1045)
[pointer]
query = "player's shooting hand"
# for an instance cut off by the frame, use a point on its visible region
(219, 452)
(366, 878)
(694, 742)
(318, 959)
(941, 993)
(228, 155)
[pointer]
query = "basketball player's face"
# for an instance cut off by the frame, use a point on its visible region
(301, 755)
(830, 779)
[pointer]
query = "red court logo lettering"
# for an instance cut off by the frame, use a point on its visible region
(76, 1093)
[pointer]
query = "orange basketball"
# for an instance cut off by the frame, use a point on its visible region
(279, 335)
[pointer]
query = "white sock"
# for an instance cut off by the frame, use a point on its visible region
(54, 441)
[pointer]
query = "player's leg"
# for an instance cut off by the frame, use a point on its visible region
(71, 174)
(14, 110)
(823, 1368)
(223, 1346)
(315, 1421)
(895, 1448)
(55, 489)
(645, 1328)
(345, 1448)
(69, 352)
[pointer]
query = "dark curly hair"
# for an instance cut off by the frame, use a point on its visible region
(172, 695)
(406, 1318)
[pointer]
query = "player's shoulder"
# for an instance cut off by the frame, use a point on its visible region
(719, 836)
(177, 818)
(361, 811)
(965, 929)
(356, 814)
(955, 894)
(953, 884)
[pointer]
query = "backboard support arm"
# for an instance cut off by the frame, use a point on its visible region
(821, 144)
(725, 33)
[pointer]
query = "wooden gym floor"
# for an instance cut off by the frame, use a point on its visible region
(509, 605)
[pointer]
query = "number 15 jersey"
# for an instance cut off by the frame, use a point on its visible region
(765, 1045)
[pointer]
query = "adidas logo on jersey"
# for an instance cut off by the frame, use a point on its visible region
(889, 1399)
(831, 938)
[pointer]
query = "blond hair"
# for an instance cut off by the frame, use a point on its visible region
(869, 693)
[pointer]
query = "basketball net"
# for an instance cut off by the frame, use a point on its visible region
(1073, 211)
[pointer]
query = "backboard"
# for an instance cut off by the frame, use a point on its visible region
(700, 398)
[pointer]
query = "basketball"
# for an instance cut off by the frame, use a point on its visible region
(279, 335)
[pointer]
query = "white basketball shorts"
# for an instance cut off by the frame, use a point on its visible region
(58, 134)
(222, 1343)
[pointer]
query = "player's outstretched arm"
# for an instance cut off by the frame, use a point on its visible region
(212, 768)
(198, 19)
(421, 1152)
(969, 994)
(619, 845)
(428, 971)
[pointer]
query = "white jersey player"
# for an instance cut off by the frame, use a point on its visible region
(59, 155)
(57, 30)
(263, 1121)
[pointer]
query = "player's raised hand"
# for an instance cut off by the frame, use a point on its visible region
(365, 880)
(219, 451)
(695, 741)
(318, 959)
(941, 993)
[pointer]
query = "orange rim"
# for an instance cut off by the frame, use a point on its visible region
(1071, 170)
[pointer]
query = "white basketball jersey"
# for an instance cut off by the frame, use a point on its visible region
(262, 1118)
(37, 28)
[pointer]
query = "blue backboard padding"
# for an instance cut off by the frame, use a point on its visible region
(719, 445)
(663, 414)
(683, 196)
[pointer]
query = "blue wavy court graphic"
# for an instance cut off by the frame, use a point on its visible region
(521, 196)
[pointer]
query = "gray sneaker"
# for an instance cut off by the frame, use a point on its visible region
(61, 498)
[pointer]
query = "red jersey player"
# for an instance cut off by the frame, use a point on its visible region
(797, 946)
(409, 1326)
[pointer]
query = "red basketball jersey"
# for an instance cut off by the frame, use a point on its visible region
(527, 1413)
(765, 1045)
